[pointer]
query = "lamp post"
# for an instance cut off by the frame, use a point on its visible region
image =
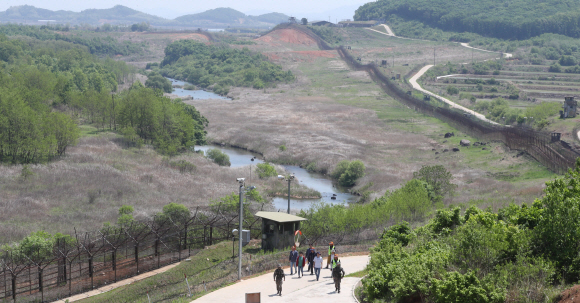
(289, 179)
(241, 182)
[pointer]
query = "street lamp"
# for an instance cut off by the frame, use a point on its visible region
(289, 179)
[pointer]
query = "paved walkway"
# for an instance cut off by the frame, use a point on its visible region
(294, 289)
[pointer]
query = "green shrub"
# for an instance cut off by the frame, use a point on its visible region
(265, 170)
(282, 147)
(452, 90)
(354, 171)
(339, 169)
(311, 167)
(219, 157)
(400, 233)
(457, 288)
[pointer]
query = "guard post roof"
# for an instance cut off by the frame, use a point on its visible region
(279, 217)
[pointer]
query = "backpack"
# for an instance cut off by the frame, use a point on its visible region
(336, 272)
(279, 274)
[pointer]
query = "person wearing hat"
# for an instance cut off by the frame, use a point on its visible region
(278, 276)
(330, 252)
(318, 265)
(337, 275)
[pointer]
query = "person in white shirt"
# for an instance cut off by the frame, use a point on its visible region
(317, 265)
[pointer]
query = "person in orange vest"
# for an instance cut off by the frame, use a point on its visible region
(330, 252)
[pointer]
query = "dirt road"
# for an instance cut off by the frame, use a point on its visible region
(418, 87)
(304, 289)
(392, 34)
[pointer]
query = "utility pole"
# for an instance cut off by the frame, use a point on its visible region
(289, 179)
(241, 181)
(289, 195)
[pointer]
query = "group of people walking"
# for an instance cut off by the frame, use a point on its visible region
(314, 260)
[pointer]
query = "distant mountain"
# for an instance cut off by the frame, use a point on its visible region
(213, 18)
(275, 18)
(230, 16)
(117, 14)
(219, 15)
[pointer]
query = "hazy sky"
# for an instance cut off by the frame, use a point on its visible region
(338, 9)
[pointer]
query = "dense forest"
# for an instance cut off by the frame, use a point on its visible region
(102, 47)
(219, 66)
(48, 87)
(518, 19)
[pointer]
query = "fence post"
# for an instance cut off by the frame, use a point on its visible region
(14, 287)
(91, 271)
(137, 255)
(114, 260)
(40, 286)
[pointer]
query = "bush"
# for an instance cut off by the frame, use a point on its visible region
(217, 156)
(555, 68)
(399, 234)
(183, 166)
(452, 90)
(282, 147)
(265, 170)
(457, 288)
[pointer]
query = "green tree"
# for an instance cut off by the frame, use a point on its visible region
(265, 170)
(438, 178)
(354, 171)
(557, 235)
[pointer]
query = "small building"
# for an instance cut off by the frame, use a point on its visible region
(569, 108)
(278, 229)
(321, 23)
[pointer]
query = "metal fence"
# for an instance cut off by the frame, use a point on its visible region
(91, 259)
(547, 149)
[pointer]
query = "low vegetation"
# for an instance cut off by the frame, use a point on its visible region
(220, 67)
(219, 157)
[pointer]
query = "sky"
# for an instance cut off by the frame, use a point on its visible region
(318, 9)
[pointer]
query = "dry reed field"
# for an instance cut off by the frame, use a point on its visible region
(86, 188)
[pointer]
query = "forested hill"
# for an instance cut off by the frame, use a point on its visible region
(514, 19)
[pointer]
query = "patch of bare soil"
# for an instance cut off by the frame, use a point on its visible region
(571, 295)
(289, 36)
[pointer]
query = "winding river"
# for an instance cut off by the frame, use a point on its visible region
(195, 94)
(319, 182)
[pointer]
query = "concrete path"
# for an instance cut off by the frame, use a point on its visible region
(109, 287)
(294, 289)
(418, 87)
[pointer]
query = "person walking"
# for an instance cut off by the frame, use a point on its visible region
(300, 264)
(278, 276)
(318, 265)
(334, 262)
(332, 257)
(337, 275)
(292, 258)
(310, 255)
(330, 249)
